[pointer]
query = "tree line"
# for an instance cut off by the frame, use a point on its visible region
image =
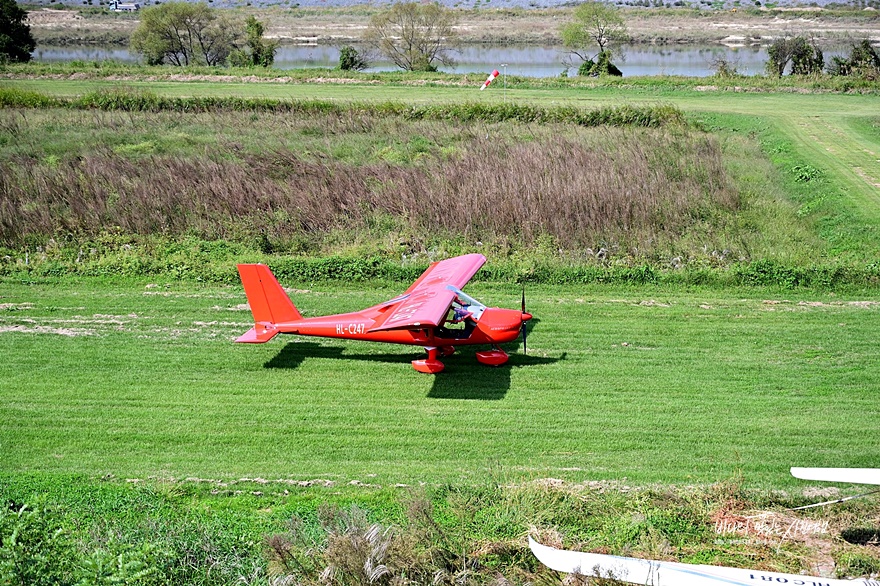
(802, 56)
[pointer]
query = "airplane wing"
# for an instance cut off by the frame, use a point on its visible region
(427, 301)
(656, 573)
(850, 475)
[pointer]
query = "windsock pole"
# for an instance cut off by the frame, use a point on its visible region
(489, 79)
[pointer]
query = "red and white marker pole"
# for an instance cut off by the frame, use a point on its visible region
(489, 79)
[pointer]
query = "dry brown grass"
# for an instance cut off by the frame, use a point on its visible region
(584, 189)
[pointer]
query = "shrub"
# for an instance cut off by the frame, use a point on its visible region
(11, 97)
(863, 62)
(806, 58)
(34, 547)
(115, 562)
(351, 60)
(601, 66)
(724, 67)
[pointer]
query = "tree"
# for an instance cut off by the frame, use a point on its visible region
(180, 33)
(805, 57)
(16, 41)
(413, 36)
(260, 52)
(595, 23)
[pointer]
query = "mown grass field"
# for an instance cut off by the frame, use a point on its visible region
(647, 386)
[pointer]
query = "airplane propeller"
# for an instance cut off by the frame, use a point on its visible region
(525, 317)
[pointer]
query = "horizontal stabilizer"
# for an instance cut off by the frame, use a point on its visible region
(257, 335)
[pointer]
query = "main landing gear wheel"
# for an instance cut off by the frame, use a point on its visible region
(494, 357)
(429, 365)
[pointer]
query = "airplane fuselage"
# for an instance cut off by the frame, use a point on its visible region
(496, 326)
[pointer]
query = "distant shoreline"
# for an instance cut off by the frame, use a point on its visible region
(335, 26)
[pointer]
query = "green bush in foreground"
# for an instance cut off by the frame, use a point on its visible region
(35, 549)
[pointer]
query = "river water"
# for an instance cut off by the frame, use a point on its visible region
(524, 60)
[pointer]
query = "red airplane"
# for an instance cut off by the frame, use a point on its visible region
(433, 313)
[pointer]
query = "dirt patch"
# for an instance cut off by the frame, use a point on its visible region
(341, 80)
(37, 329)
(239, 307)
(786, 304)
(863, 303)
(47, 16)
(861, 173)
(652, 303)
(825, 492)
(15, 306)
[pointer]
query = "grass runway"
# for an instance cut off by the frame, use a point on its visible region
(643, 385)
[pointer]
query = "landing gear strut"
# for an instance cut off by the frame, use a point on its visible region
(430, 365)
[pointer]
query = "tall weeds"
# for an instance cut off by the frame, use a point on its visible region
(605, 188)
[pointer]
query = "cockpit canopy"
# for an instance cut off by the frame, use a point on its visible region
(462, 299)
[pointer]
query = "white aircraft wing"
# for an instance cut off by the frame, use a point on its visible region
(850, 475)
(656, 573)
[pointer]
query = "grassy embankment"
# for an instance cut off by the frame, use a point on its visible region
(722, 206)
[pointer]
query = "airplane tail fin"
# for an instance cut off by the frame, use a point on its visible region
(269, 303)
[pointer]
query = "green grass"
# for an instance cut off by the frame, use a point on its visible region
(648, 385)
(131, 422)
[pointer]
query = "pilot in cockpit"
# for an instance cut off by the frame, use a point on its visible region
(460, 311)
